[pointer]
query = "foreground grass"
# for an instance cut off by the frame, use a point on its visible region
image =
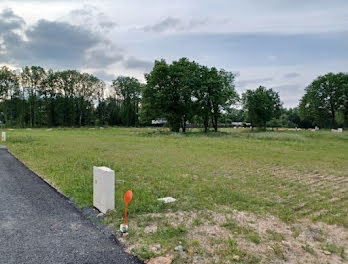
(291, 175)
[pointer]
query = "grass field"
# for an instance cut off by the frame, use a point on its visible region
(242, 197)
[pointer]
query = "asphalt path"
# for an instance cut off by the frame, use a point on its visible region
(39, 225)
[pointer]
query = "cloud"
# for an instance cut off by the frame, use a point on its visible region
(257, 82)
(91, 17)
(289, 89)
(9, 21)
(171, 24)
(164, 25)
(291, 75)
(104, 76)
(134, 63)
(292, 93)
(55, 44)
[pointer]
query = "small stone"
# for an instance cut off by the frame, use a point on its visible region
(167, 199)
(236, 258)
(150, 229)
(158, 246)
(160, 260)
(179, 248)
(327, 252)
(100, 215)
(125, 234)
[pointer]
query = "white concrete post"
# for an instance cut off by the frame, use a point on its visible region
(103, 189)
(340, 130)
(3, 136)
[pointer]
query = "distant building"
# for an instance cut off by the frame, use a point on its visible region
(159, 122)
(241, 124)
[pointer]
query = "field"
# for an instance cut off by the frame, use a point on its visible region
(247, 197)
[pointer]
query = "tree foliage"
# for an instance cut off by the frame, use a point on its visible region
(183, 90)
(325, 101)
(261, 105)
(128, 89)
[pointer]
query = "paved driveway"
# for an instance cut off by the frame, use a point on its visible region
(38, 225)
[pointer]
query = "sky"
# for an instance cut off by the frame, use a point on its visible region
(280, 44)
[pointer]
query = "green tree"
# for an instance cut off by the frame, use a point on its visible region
(325, 101)
(261, 105)
(9, 82)
(9, 93)
(222, 94)
(32, 79)
(169, 92)
(215, 92)
(128, 90)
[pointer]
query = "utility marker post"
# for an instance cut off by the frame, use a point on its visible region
(3, 136)
(103, 189)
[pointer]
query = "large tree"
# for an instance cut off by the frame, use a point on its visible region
(326, 100)
(261, 105)
(9, 82)
(184, 89)
(215, 92)
(32, 79)
(128, 91)
(169, 92)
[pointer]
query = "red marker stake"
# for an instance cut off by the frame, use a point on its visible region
(127, 198)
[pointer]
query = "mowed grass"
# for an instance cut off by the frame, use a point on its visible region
(289, 174)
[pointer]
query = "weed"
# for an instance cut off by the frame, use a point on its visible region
(254, 237)
(144, 253)
(197, 221)
(275, 236)
(308, 249)
(278, 251)
(334, 249)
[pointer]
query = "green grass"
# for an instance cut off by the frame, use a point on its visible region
(291, 175)
(260, 172)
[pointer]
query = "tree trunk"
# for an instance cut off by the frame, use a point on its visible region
(206, 124)
(183, 127)
(214, 121)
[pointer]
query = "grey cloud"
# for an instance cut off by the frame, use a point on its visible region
(290, 93)
(103, 55)
(91, 17)
(9, 21)
(104, 75)
(134, 63)
(253, 81)
(59, 45)
(168, 23)
(291, 75)
(289, 90)
(174, 24)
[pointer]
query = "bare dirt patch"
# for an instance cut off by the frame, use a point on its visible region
(236, 236)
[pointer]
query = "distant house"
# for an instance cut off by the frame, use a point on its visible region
(241, 124)
(159, 122)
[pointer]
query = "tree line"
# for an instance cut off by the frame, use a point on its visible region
(183, 92)
(36, 97)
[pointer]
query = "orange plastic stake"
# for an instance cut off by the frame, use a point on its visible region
(127, 198)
